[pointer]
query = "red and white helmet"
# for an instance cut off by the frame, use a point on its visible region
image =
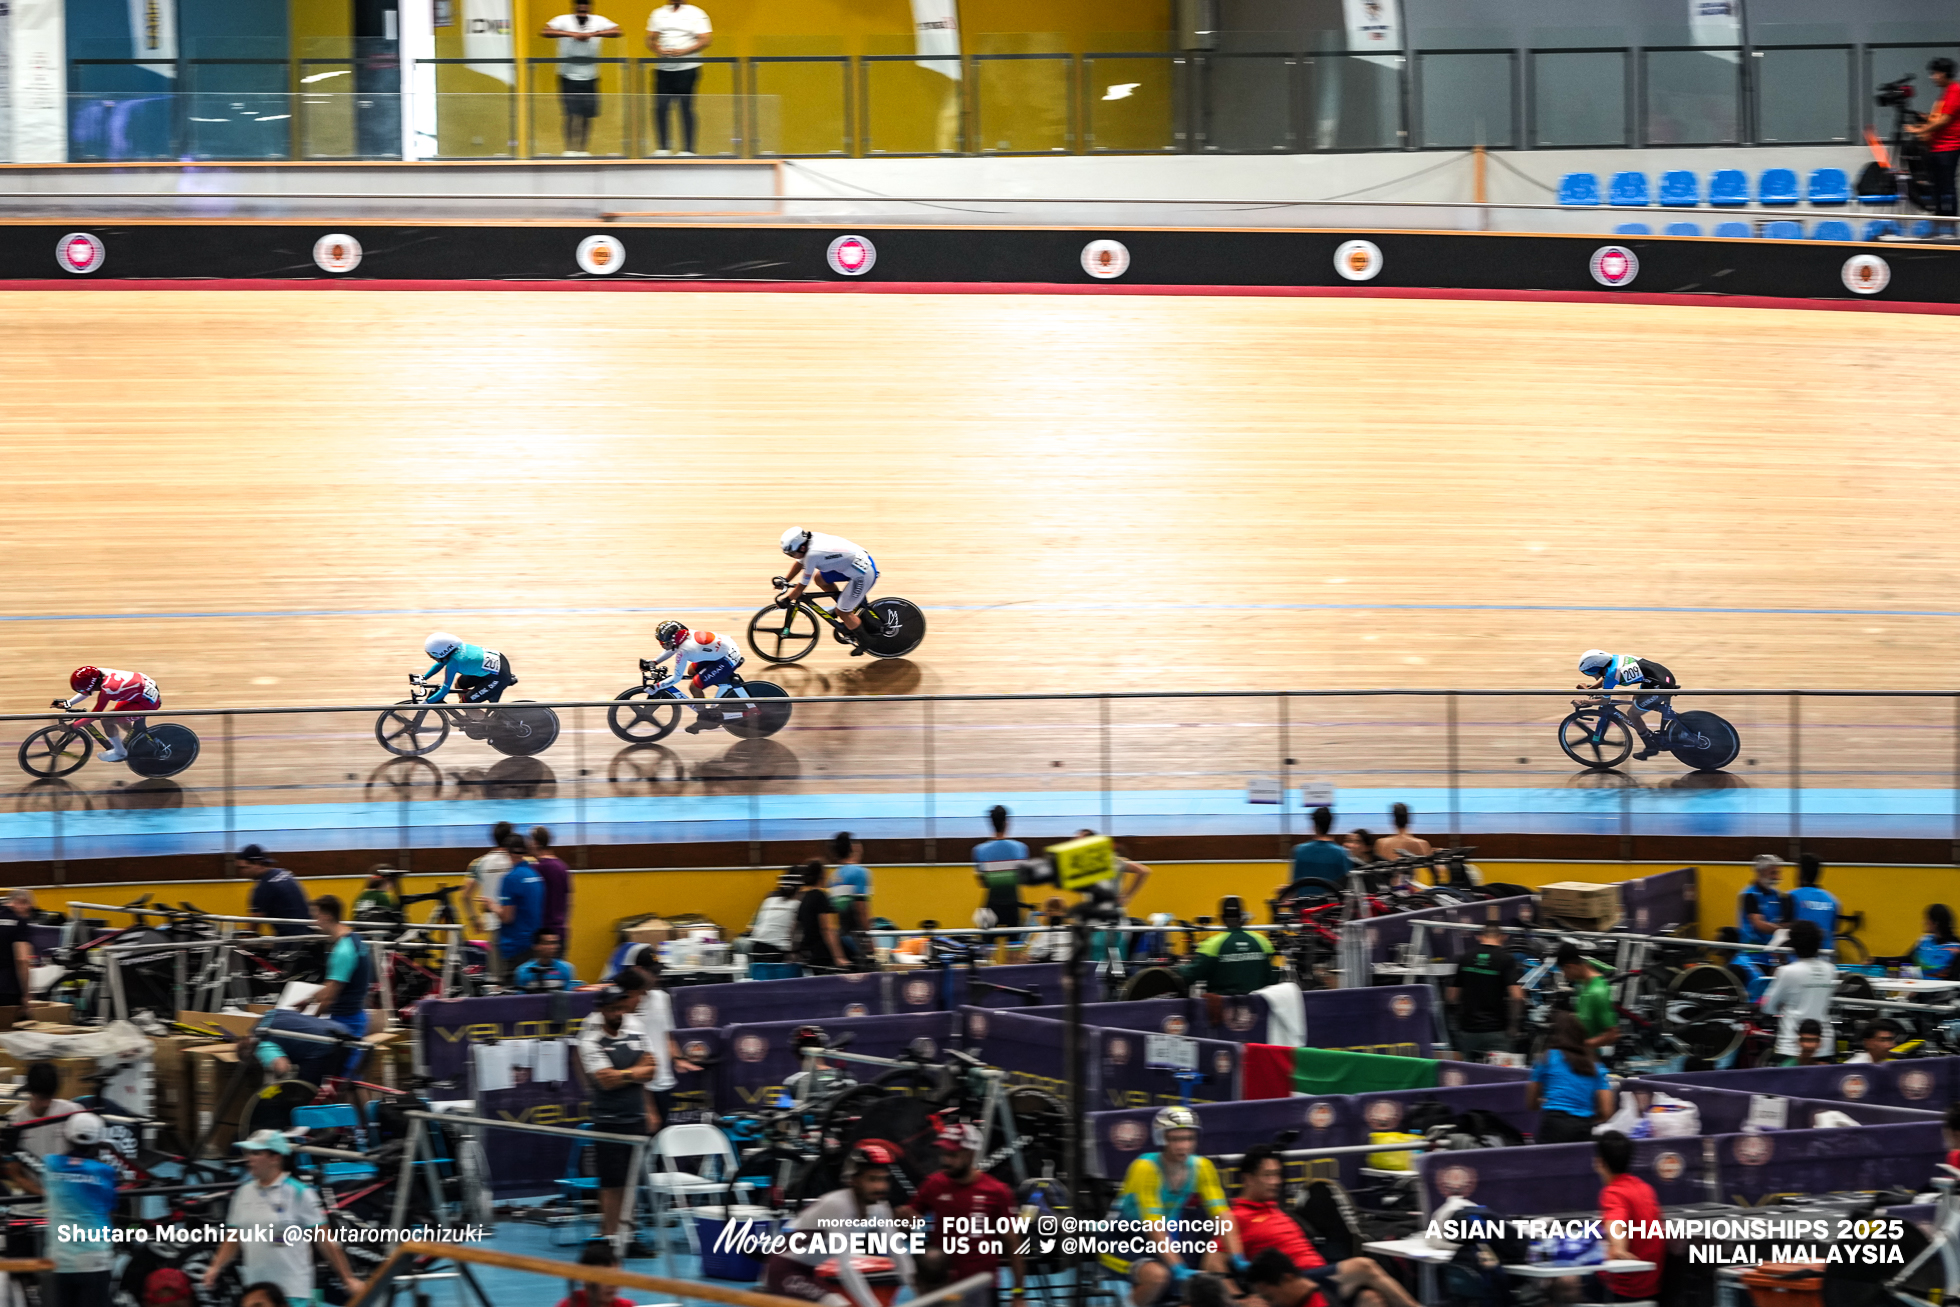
(83, 680)
(671, 634)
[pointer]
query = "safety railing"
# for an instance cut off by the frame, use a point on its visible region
(924, 768)
(1021, 102)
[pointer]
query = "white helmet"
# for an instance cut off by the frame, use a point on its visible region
(1594, 662)
(1172, 1118)
(441, 644)
(796, 539)
(82, 1128)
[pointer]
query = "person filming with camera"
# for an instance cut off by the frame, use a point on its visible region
(1940, 132)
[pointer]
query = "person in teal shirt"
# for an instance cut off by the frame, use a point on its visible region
(850, 883)
(1810, 902)
(546, 970)
(480, 675)
(81, 1192)
(1938, 946)
(350, 975)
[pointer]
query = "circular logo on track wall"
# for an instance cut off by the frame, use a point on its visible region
(701, 1015)
(1402, 1006)
(1614, 265)
(855, 1010)
(600, 255)
(1916, 1084)
(1117, 1050)
(918, 992)
(1127, 1136)
(751, 1048)
(1866, 274)
(1669, 1166)
(1457, 1181)
(1175, 1025)
(337, 252)
(976, 1025)
(1105, 260)
(1854, 1087)
(694, 1050)
(851, 256)
(1452, 1076)
(1320, 1115)
(1754, 1150)
(80, 251)
(1384, 1114)
(1358, 260)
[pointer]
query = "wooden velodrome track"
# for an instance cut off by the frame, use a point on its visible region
(269, 498)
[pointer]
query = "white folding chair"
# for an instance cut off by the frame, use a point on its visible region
(674, 1189)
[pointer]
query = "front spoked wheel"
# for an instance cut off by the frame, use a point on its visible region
(644, 716)
(783, 635)
(55, 750)
(1592, 739)
(411, 730)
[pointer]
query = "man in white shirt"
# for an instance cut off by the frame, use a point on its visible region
(487, 887)
(578, 35)
(676, 30)
(277, 1211)
(1802, 990)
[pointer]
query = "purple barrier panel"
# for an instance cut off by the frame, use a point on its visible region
(761, 1056)
(524, 1164)
(1028, 1048)
(1241, 1020)
(1542, 1179)
(1231, 1128)
(1748, 1167)
(445, 1028)
(1804, 1110)
(1384, 935)
(799, 998)
(697, 1091)
(923, 989)
(1127, 1079)
(1478, 1073)
(1388, 1108)
(1392, 1019)
(1655, 905)
(1924, 1082)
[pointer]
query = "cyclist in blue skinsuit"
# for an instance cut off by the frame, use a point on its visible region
(1621, 672)
(480, 675)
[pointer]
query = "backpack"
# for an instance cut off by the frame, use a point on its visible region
(1476, 1273)
(1329, 1214)
(1877, 180)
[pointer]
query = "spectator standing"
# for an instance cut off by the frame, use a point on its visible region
(42, 1141)
(1801, 991)
(16, 960)
(1320, 858)
(520, 907)
(1401, 844)
(959, 1190)
(1628, 1211)
(1568, 1087)
(487, 875)
(1759, 910)
(350, 975)
(850, 884)
(546, 971)
(281, 1214)
(1937, 948)
(1941, 134)
(997, 865)
(1592, 996)
(1879, 1038)
(1488, 995)
(1811, 902)
(772, 934)
(276, 892)
(676, 30)
(578, 35)
(657, 1015)
(557, 885)
(618, 1059)
(81, 1194)
(817, 940)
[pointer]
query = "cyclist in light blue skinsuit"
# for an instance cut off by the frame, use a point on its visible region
(1624, 672)
(480, 675)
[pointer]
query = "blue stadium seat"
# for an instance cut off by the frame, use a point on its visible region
(1829, 186)
(1680, 189)
(1777, 186)
(1683, 229)
(1629, 191)
(1733, 231)
(1579, 190)
(1728, 189)
(1783, 231)
(1633, 229)
(1921, 229)
(1834, 229)
(1880, 227)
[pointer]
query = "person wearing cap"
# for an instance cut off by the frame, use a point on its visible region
(167, 1286)
(862, 1204)
(43, 1141)
(1235, 961)
(276, 892)
(81, 1192)
(1759, 911)
(617, 1056)
(1592, 997)
(277, 1211)
(960, 1189)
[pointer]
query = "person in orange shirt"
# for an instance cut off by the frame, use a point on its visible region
(1287, 1270)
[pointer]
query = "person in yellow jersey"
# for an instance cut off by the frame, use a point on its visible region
(1162, 1186)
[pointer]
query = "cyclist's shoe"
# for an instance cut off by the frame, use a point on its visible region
(702, 722)
(1650, 751)
(841, 633)
(636, 1251)
(115, 753)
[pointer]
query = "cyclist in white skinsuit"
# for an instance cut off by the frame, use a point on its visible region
(712, 658)
(828, 561)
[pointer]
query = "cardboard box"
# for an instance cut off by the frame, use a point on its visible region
(237, 1026)
(73, 1073)
(176, 1099)
(650, 932)
(1578, 900)
(60, 1014)
(209, 1069)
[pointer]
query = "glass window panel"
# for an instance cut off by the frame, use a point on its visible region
(1804, 95)
(1354, 101)
(803, 106)
(1466, 99)
(717, 105)
(909, 109)
(1022, 105)
(1578, 98)
(1131, 103)
(1248, 103)
(476, 110)
(1693, 97)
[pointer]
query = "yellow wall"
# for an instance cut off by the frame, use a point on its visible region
(1891, 898)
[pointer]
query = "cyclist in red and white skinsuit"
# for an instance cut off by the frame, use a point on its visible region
(129, 690)
(711, 657)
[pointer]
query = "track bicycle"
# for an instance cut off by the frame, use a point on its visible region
(1598, 735)
(785, 635)
(154, 751)
(417, 727)
(649, 711)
